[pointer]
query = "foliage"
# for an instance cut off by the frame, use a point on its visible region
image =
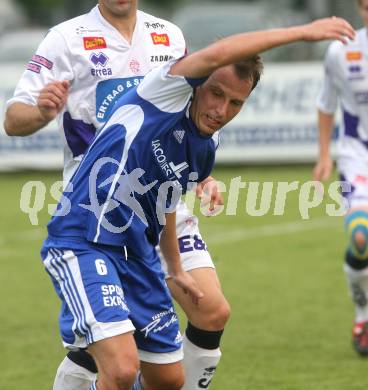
(164, 3)
(40, 11)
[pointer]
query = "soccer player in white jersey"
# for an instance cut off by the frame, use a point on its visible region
(346, 82)
(77, 74)
(107, 292)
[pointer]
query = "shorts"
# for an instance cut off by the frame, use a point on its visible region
(355, 173)
(105, 293)
(193, 250)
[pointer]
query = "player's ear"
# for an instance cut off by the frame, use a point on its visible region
(194, 93)
(196, 89)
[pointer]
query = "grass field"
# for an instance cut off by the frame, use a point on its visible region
(291, 315)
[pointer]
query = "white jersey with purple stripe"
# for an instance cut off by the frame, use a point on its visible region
(346, 82)
(100, 65)
(148, 146)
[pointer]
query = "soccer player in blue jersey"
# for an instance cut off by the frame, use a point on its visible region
(97, 57)
(100, 252)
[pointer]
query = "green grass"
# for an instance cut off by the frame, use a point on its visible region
(291, 313)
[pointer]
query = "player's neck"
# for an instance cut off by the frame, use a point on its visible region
(126, 28)
(124, 24)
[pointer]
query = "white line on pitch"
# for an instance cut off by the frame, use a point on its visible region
(270, 230)
(221, 237)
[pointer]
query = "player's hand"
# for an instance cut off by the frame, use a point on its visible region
(328, 28)
(208, 192)
(188, 285)
(52, 99)
(323, 169)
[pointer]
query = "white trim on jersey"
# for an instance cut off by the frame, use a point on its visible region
(131, 117)
(167, 96)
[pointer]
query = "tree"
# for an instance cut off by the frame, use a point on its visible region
(40, 11)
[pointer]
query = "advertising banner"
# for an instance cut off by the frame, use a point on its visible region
(278, 123)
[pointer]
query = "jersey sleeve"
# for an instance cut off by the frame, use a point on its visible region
(328, 98)
(178, 45)
(50, 63)
(207, 161)
(169, 93)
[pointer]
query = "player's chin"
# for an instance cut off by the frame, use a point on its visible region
(206, 129)
(122, 8)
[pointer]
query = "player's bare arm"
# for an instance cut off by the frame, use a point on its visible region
(324, 165)
(23, 119)
(238, 47)
(209, 193)
(170, 250)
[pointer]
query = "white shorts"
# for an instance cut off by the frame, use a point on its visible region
(355, 173)
(193, 250)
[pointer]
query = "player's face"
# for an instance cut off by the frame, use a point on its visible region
(218, 100)
(363, 9)
(119, 8)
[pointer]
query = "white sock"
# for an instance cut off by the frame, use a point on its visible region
(71, 376)
(358, 287)
(199, 365)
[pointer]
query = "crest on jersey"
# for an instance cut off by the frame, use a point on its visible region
(93, 43)
(160, 39)
(134, 66)
(179, 135)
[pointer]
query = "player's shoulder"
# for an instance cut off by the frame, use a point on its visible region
(79, 25)
(337, 47)
(155, 23)
(67, 27)
(335, 53)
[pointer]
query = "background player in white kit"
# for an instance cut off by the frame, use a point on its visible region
(346, 82)
(79, 71)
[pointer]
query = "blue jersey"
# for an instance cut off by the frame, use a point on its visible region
(146, 154)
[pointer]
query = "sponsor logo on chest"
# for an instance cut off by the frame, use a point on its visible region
(162, 58)
(154, 26)
(171, 170)
(94, 43)
(355, 65)
(354, 55)
(81, 30)
(100, 61)
(160, 39)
